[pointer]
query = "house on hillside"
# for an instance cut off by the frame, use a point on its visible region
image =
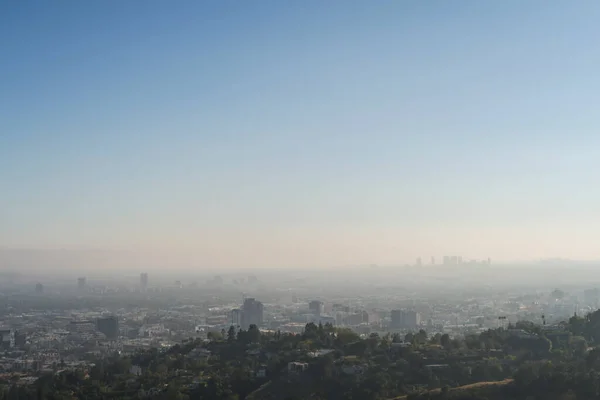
(521, 334)
(354, 369)
(135, 370)
(199, 353)
(261, 371)
(320, 353)
(295, 367)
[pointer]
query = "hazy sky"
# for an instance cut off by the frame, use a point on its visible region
(287, 133)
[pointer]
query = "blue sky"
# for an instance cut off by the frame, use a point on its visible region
(282, 133)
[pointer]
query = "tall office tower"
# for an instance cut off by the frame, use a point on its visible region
(419, 263)
(432, 260)
(405, 319)
(20, 339)
(109, 326)
(81, 283)
(236, 317)
(412, 319)
(397, 318)
(316, 307)
(144, 280)
(252, 313)
(7, 338)
(39, 288)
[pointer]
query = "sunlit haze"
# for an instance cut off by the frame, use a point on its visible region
(298, 134)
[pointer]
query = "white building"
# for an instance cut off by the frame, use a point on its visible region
(295, 367)
(135, 370)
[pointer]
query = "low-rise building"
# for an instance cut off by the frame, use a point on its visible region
(295, 367)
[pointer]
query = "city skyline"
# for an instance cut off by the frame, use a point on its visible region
(283, 135)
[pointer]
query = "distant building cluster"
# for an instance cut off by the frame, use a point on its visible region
(455, 260)
(37, 338)
(452, 260)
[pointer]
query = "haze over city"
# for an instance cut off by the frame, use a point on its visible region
(297, 134)
(299, 200)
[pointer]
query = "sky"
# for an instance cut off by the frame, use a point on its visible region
(300, 133)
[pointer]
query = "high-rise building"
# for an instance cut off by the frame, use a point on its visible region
(357, 318)
(81, 282)
(20, 339)
(405, 319)
(252, 313)
(459, 260)
(316, 307)
(109, 326)
(7, 338)
(39, 288)
(412, 319)
(144, 280)
(432, 260)
(82, 325)
(397, 318)
(236, 317)
(419, 262)
(446, 260)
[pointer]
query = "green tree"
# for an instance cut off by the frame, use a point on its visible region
(445, 341)
(214, 336)
(253, 334)
(231, 335)
(436, 339)
(420, 337)
(311, 331)
(345, 336)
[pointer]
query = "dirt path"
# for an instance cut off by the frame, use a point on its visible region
(465, 387)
